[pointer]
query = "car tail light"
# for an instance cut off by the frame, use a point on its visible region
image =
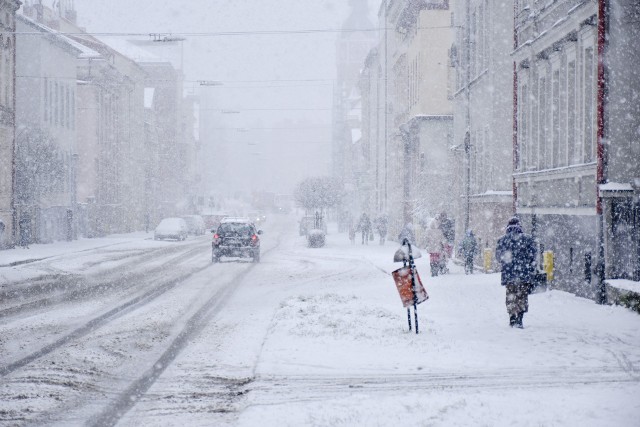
(216, 236)
(254, 239)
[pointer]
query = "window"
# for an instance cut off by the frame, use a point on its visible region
(562, 132)
(555, 120)
(68, 109)
(63, 107)
(543, 139)
(73, 109)
(46, 99)
(589, 106)
(1, 68)
(532, 161)
(571, 112)
(472, 44)
(56, 113)
(523, 100)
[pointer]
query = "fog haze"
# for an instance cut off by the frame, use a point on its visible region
(278, 86)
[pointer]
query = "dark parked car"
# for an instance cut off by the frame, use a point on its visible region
(237, 238)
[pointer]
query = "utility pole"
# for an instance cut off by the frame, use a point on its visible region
(467, 136)
(386, 113)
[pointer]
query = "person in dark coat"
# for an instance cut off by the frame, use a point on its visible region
(516, 252)
(469, 247)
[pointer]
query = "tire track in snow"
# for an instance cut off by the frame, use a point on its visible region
(124, 401)
(66, 285)
(102, 320)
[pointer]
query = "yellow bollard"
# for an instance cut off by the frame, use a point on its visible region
(547, 264)
(487, 258)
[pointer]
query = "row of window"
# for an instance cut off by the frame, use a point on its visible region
(478, 45)
(414, 81)
(6, 70)
(59, 103)
(557, 107)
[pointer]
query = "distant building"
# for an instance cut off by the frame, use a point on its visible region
(171, 177)
(408, 113)
(8, 10)
(577, 149)
(46, 132)
(348, 162)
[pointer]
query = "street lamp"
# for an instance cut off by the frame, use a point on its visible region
(406, 184)
(467, 183)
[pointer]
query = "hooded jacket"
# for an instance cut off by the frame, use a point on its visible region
(516, 253)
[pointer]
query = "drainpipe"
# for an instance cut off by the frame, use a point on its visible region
(14, 143)
(601, 178)
(516, 158)
(467, 136)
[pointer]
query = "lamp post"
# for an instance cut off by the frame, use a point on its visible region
(406, 181)
(467, 180)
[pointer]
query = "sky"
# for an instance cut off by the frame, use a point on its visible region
(281, 84)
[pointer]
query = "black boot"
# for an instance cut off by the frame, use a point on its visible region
(512, 321)
(519, 321)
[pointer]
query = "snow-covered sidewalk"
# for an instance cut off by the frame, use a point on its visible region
(338, 352)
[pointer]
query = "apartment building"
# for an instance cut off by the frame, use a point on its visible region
(577, 155)
(8, 10)
(483, 123)
(46, 152)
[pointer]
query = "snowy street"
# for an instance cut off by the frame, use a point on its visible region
(129, 331)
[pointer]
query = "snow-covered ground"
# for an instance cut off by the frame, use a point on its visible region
(318, 336)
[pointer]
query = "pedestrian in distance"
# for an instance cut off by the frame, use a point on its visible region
(407, 233)
(365, 227)
(2, 227)
(434, 242)
(25, 231)
(469, 248)
(381, 226)
(516, 252)
(352, 233)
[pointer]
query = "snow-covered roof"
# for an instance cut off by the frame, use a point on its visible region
(627, 285)
(85, 51)
(616, 186)
(129, 49)
(81, 50)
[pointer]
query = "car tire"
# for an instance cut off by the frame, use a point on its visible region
(256, 257)
(215, 259)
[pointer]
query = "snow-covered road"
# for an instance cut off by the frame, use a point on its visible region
(151, 333)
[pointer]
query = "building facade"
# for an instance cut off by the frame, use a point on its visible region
(408, 113)
(483, 125)
(8, 10)
(576, 146)
(46, 151)
(349, 162)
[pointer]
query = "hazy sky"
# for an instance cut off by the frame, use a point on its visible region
(275, 81)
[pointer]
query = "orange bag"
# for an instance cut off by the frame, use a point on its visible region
(402, 277)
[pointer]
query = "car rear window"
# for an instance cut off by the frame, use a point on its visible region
(236, 228)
